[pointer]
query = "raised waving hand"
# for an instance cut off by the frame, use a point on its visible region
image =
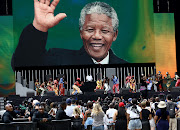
(44, 15)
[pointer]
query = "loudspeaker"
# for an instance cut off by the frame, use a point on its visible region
(175, 89)
(100, 91)
(30, 94)
(124, 90)
(50, 93)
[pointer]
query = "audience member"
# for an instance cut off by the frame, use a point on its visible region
(120, 117)
(170, 107)
(87, 117)
(9, 114)
(41, 115)
(162, 117)
(98, 117)
(146, 116)
(53, 110)
(151, 121)
(110, 113)
(134, 114)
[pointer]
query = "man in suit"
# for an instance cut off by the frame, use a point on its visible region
(98, 24)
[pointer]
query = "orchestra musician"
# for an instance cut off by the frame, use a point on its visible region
(132, 84)
(55, 87)
(37, 86)
(159, 80)
(76, 89)
(42, 89)
(143, 80)
(168, 78)
(177, 82)
(176, 77)
(50, 82)
(128, 78)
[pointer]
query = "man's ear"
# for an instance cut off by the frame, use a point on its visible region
(115, 35)
(80, 33)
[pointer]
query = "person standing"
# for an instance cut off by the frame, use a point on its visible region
(98, 117)
(171, 106)
(162, 117)
(134, 116)
(120, 117)
(146, 117)
(116, 84)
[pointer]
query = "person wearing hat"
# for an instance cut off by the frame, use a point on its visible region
(35, 105)
(129, 103)
(69, 109)
(162, 117)
(120, 117)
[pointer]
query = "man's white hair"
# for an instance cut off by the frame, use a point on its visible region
(99, 8)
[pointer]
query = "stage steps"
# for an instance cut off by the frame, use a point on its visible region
(2, 103)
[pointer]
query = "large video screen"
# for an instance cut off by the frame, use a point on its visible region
(66, 44)
(141, 37)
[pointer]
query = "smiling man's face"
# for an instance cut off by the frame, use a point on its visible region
(97, 35)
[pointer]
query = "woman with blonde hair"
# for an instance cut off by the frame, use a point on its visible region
(78, 121)
(98, 117)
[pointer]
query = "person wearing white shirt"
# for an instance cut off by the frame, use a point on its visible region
(110, 113)
(134, 114)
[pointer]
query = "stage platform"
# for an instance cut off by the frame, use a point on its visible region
(16, 100)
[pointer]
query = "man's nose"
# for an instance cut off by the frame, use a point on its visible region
(97, 35)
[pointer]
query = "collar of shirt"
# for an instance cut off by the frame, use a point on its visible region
(104, 61)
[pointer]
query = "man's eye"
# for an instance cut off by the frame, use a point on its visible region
(90, 30)
(105, 31)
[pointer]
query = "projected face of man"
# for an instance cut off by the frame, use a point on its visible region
(97, 35)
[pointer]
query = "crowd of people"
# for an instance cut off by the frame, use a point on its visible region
(102, 114)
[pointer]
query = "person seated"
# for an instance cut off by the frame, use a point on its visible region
(55, 87)
(99, 84)
(41, 115)
(133, 84)
(53, 110)
(78, 121)
(42, 89)
(76, 89)
(9, 114)
(61, 114)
